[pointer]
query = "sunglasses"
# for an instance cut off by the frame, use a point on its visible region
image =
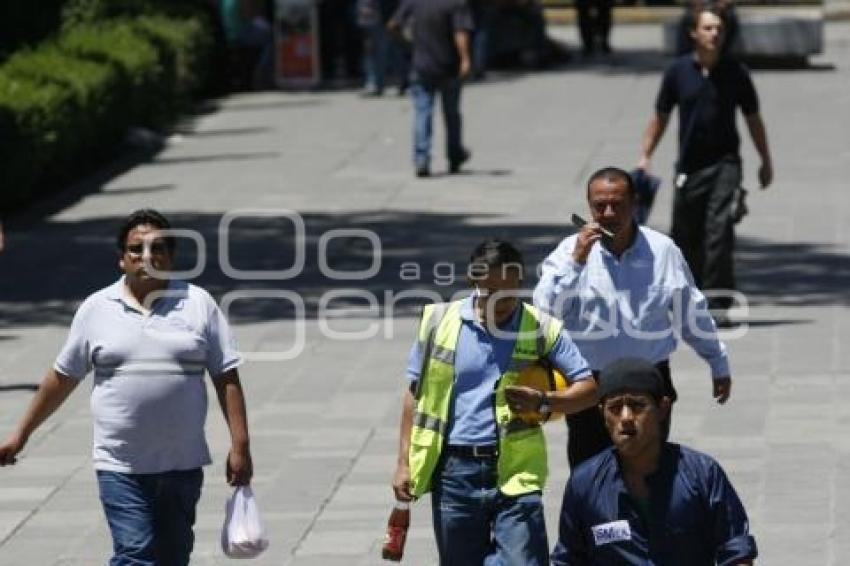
(156, 248)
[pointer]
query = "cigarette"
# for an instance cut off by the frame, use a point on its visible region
(608, 233)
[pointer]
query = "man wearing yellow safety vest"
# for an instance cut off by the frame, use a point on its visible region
(460, 436)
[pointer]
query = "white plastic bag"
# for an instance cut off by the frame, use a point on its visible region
(243, 535)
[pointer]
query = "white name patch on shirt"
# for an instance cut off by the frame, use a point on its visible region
(611, 532)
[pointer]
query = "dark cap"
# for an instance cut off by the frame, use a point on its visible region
(630, 375)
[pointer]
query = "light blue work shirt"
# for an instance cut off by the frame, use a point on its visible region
(480, 359)
(629, 306)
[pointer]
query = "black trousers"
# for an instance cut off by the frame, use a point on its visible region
(703, 227)
(586, 432)
(594, 20)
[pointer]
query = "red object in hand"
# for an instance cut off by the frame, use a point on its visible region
(396, 532)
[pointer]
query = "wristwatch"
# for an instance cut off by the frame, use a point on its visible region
(544, 408)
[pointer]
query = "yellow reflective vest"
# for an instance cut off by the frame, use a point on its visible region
(521, 463)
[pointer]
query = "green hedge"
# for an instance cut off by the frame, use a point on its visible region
(67, 103)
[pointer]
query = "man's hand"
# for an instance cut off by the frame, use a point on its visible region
(522, 399)
(589, 235)
(240, 468)
(11, 448)
(766, 174)
(643, 163)
(722, 388)
(401, 483)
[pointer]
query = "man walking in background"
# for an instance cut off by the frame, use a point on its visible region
(441, 61)
(594, 25)
(708, 87)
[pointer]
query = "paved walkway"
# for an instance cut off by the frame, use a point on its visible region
(324, 423)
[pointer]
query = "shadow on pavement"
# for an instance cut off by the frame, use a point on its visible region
(800, 274)
(223, 132)
(57, 264)
(473, 172)
(765, 323)
(19, 387)
(216, 157)
(210, 106)
(122, 191)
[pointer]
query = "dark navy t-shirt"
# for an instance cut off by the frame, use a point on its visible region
(435, 55)
(707, 104)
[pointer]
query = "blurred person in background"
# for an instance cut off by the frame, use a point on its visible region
(383, 51)
(594, 25)
(441, 62)
(249, 37)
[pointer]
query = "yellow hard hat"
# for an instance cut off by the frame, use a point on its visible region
(541, 378)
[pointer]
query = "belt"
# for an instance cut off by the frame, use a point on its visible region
(473, 451)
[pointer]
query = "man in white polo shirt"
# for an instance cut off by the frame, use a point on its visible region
(149, 340)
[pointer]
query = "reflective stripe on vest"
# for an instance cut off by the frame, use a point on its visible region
(522, 447)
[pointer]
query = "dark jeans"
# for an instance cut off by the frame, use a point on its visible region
(475, 524)
(151, 516)
(586, 432)
(703, 227)
(594, 21)
(425, 93)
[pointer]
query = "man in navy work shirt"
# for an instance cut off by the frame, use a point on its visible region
(708, 87)
(625, 296)
(461, 437)
(647, 501)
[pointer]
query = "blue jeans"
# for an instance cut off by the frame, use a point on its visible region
(375, 52)
(424, 94)
(151, 516)
(475, 524)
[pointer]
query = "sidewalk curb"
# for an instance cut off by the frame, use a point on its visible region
(832, 12)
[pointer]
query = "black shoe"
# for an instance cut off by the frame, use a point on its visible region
(423, 171)
(723, 321)
(372, 92)
(454, 166)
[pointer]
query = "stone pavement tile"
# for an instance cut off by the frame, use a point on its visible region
(350, 542)
(36, 468)
(788, 545)
(748, 419)
(784, 430)
(10, 519)
(23, 497)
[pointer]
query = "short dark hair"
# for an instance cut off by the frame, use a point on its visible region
(612, 173)
(141, 217)
(494, 253)
(716, 7)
